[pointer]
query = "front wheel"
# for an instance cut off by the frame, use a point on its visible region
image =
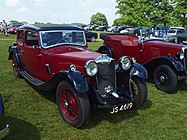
(74, 107)
(165, 78)
(139, 90)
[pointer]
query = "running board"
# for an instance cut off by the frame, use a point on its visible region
(31, 79)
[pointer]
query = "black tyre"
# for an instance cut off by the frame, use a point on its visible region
(93, 39)
(139, 89)
(74, 107)
(104, 51)
(15, 67)
(165, 78)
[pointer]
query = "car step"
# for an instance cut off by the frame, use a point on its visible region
(31, 79)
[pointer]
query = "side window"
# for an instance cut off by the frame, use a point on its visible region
(20, 37)
(31, 38)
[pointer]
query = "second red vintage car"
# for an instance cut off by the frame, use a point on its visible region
(165, 62)
(56, 57)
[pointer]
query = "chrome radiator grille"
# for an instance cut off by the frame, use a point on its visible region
(106, 76)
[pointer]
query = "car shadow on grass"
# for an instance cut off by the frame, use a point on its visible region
(181, 86)
(19, 129)
(102, 114)
(98, 115)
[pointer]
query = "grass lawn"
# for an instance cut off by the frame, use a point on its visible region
(34, 115)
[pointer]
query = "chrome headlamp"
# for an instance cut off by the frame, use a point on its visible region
(125, 62)
(180, 55)
(90, 68)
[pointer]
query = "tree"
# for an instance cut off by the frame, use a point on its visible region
(163, 11)
(135, 13)
(180, 12)
(98, 19)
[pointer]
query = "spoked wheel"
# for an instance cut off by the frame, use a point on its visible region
(139, 90)
(165, 78)
(93, 39)
(15, 67)
(74, 107)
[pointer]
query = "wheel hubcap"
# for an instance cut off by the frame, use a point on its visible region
(162, 79)
(66, 104)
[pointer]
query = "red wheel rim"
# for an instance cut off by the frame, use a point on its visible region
(15, 66)
(69, 104)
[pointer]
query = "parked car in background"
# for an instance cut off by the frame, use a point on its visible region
(93, 27)
(13, 27)
(91, 36)
(159, 30)
(165, 62)
(56, 57)
(127, 30)
(101, 28)
(117, 30)
(4, 129)
(178, 39)
(176, 31)
(111, 29)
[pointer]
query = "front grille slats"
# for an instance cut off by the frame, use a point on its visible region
(106, 76)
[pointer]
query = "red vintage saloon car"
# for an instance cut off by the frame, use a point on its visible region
(56, 57)
(165, 62)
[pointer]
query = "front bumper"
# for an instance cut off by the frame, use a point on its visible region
(4, 131)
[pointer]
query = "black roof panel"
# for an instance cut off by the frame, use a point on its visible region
(44, 27)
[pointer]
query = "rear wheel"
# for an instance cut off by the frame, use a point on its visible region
(93, 39)
(165, 78)
(139, 90)
(15, 67)
(74, 107)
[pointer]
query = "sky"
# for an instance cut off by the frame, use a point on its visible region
(56, 11)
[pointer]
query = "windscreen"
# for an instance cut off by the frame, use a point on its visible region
(61, 37)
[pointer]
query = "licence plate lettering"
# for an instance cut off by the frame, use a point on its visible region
(116, 109)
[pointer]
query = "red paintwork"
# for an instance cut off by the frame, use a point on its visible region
(125, 45)
(58, 57)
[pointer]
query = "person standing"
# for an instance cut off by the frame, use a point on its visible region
(4, 26)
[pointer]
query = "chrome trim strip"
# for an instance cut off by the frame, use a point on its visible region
(4, 132)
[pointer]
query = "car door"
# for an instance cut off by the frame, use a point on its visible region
(30, 53)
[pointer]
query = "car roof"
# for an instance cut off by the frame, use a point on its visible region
(44, 27)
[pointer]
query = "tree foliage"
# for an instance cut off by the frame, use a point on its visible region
(98, 19)
(150, 12)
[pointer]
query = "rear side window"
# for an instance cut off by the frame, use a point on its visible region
(171, 31)
(20, 37)
(31, 38)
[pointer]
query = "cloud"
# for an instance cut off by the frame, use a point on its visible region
(12, 3)
(87, 3)
(22, 9)
(39, 2)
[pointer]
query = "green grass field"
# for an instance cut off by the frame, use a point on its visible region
(34, 115)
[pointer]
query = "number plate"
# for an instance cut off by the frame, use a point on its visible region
(116, 109)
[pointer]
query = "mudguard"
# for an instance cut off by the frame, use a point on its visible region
(78, 80)
(14, 51)
(139, 70)
(108, 48)
(167, 60)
